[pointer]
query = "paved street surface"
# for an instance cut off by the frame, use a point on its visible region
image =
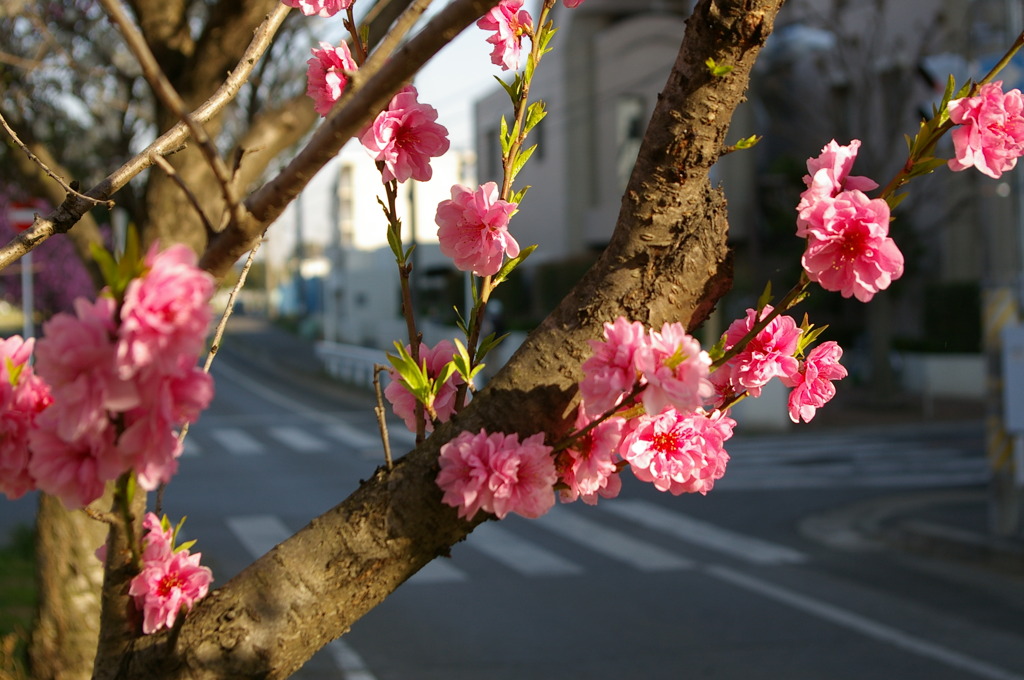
(731, 585)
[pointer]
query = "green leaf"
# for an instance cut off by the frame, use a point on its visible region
(718, 349)
(717, 70)
(765, 298)
(535, 113)
(748, 142)
(412, 374)
(459, 321)
(517, 197)
(185, 546)
(510, 89)
(506, 141)
(461, 361)
(395, 243)
(13, 372)
(511, 264)
(487, 344)
(521, 161)
(105, 261)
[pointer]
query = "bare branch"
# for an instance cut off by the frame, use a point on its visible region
(72, 209)
(387, 69)
(45, 168)
(172, 100)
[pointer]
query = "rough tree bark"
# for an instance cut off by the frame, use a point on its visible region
(667, 260)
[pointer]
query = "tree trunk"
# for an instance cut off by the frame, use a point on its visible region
(69, 576)
(667, 261)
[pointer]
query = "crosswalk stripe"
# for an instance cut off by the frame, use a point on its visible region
(438, 571)
(258, 533)
(298, 440)
(353, 437)
(190, 447)
(237, 442)
(519, 554)
(704, 534)
(611, 543)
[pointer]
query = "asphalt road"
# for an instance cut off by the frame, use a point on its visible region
(645, 586)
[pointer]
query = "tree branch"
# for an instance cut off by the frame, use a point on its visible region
(668, 260)
(72, 209)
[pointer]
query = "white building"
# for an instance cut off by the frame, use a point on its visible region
(362, 294)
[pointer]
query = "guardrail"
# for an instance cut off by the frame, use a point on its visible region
(351, 364)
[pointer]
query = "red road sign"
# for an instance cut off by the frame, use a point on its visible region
(21, 215)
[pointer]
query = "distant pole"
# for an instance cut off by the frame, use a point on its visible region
(21, 216)
(27, 294)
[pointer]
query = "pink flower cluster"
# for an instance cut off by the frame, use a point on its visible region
(403, 403)
(990, 136)
(679, 452)
(510, 22)
(669, 366)
(23, 396)
(848, 244)
(171, 580)
(327, 75)
(121, 380)
(473, 229)
(773, 353)
(323, 8)
(498, 474)
(404, 137)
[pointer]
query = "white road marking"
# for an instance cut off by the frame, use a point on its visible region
(438, 571)
(258, 533)
(352, 665)
(863, 625)
(611, 543)
(353, 437)
(704, 534)
(237, 442)
(519, 554)
(297, 439)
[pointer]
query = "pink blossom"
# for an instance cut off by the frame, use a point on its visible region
(676, 370)
(76, 356)
(324, 8)
(157, 542)
(829, 176)
(76, 471)
(473, 229)
(169, 584)
(851, 252)
(573, 3)
(812, 384)
(991, 133)
(403, 403)
(165, 314)
(405, 137)
(510, 23)
(610, 373)
(588, 469)
(497, 474)
(679, 453)
(23, 396)
(768, 355)
(326, 75)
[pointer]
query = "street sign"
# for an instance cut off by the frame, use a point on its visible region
(21, 215)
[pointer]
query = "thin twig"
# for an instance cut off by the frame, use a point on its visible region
(176, 178)
(100, 515)
(215, 343)
(380, 411)
(54, 176)
(69, 213)
(163, 88)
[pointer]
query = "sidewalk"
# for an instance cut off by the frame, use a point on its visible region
(946, 523)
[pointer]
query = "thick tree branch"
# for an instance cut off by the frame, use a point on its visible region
(369, 92)
(72, 209)
(668, 260)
